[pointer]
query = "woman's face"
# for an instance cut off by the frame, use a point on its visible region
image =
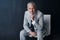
(31, 8)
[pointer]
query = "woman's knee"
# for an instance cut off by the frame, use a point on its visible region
(22, 32)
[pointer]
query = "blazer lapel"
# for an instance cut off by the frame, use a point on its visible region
(29, 20)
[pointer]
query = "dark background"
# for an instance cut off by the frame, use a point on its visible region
(12, 13)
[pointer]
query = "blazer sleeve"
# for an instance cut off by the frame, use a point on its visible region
(25, 23)
(39, 24)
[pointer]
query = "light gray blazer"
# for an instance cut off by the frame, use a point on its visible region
(38, 19)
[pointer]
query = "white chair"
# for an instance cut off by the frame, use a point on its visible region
(47, 25)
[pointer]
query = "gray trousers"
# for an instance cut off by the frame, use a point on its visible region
(23, 35)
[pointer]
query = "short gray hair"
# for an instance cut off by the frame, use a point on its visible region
(31, 3)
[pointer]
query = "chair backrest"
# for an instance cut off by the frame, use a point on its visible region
(47, 21)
